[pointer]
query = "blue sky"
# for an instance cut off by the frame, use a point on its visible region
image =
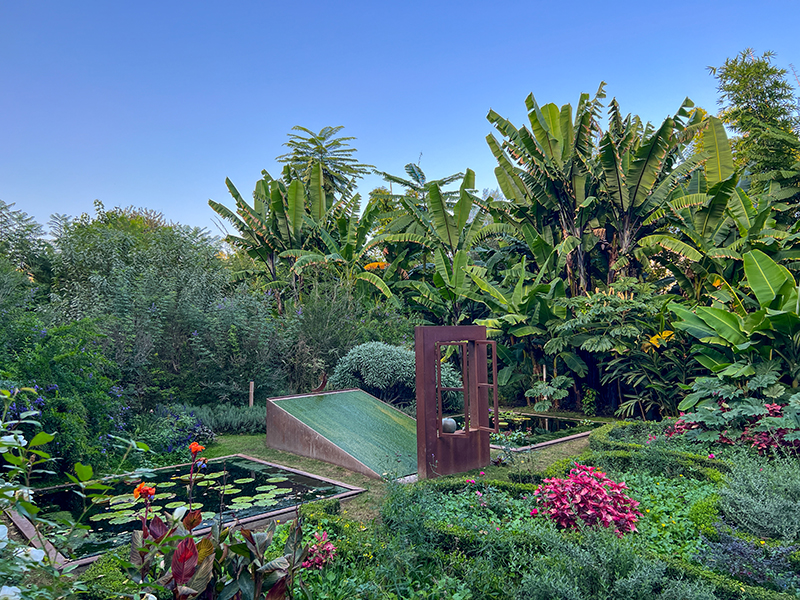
(154, 104)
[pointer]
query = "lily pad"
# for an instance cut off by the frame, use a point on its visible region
(215, 475)
(266, 488)
(276, 479)
(208, 515)
(265, 502)
(243, 480)
(101, 517)
(207, 483)
(264, 495)
(174, 505)
(167, 484)
(163, 496)
(240, 499)
(122, 513)
(122, 520)
(229, 489)
(123, 505)
(241, 505)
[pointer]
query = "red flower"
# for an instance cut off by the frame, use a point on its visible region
(144, 491)
(194, 448)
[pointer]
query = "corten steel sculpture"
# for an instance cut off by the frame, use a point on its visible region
(440, 453)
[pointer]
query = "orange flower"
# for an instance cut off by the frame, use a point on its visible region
(143, 490)
(194, 448)
(376, 265)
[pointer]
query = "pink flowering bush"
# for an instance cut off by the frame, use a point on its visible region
(321, 553)
(589, 496)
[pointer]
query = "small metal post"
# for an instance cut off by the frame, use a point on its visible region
(252, 389)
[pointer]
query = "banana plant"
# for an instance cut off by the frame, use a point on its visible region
(710, 231)
(448, 294)
(580, 196)
(348, 253)
(544, 173)
(525, 311)
(640, 172)
(447, 228)
(732, 343)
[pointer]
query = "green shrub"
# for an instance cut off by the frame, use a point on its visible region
(106, 577)
(705, 514)
(227, 419)
(389, 373)
(597, 564)
(725, 587)
(762, 497)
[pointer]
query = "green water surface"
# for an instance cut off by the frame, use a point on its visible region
(381, 437)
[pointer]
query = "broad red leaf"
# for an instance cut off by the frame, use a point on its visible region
(192, 519)
(277, 591)
(184, 561)
(158, 529)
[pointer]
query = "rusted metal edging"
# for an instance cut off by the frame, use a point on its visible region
(568, 438)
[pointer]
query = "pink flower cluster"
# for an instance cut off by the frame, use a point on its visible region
(321, 553)
(589, 496)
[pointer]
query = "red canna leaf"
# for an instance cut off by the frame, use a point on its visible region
(184, 561)
(158, 529)
(192, 519)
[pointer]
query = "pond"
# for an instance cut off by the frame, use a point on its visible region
(237, 487)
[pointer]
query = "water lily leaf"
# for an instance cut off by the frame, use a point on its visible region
(242, 480)
(261, 502)
(174, 505)
(266, 488)
(167, 484)
(123, 520)
(163, 496)
(229, 489)
(101, 516)
(241, 505)
(277, 479)
(206, 483)
(208, 515)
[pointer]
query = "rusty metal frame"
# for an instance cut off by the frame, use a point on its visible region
(493, 386)
(439, 453)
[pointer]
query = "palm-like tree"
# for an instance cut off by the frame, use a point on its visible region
(340, 169)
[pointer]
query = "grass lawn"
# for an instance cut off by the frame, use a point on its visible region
(366, 506)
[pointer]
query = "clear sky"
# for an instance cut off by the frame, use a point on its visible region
(154, 104)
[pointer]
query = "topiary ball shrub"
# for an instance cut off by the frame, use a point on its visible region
(389, 373)
(587, 496)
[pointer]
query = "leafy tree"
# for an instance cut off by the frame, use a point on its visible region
(574, 190)
(349, 254)
(340, 169)
(443, 224)
(22, 243)
(759, 104)
(161, 295)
